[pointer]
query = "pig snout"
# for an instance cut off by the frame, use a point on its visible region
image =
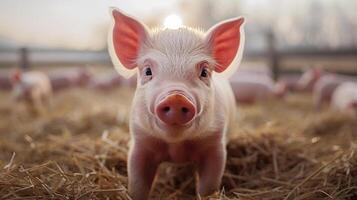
(175, 109)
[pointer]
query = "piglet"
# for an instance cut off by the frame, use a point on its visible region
(250, 88)
(326, 85)
(290, 82)
(308, 79)
(32, 87)
(345, 98)
(183, 104)
(68, 78)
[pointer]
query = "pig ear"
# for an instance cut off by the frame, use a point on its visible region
(226, 41)
(126, 36)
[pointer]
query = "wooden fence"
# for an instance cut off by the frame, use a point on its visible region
(272, 55)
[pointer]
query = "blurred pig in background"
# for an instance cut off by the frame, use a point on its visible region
(250, 86)
(308, 79)
(106, 81)
(110, 81)
(33, 88)
(326, 85)
(345, 98)
(67, 78)
(290, 82)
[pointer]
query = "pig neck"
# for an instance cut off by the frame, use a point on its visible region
(184, 151)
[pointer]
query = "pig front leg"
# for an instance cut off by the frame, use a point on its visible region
(141, 171)
(210, 169)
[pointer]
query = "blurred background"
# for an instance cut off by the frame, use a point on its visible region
(295, 133)
(306, 33)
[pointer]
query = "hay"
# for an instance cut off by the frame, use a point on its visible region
(78, 151)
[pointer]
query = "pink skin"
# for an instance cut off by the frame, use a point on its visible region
(249, 88)
(344, 98)
(182, 108)
(308, 79)
(69, 78)
(33, 88)
(147, 152)
(290, 82)
(325, 87)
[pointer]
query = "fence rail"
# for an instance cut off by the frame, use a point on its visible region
(274, 57)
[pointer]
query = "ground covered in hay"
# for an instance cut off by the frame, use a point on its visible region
(78, 151)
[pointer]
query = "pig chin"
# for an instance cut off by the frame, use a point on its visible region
(173, 128)
(175, 133)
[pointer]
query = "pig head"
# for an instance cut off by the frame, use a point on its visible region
(183, 103)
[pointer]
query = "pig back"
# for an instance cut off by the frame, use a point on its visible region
(38, 81)
(344, 95)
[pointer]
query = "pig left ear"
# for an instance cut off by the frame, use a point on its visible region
(226, 42)
(125, 38)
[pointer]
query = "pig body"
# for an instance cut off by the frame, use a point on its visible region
(309, 78)
(183, 106)
(33, 88)
(290, 82)
(326, 85)
(69, 78)
(203, 143)
(249, 88)
(345, 98)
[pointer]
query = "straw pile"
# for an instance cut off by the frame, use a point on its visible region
(78, 151)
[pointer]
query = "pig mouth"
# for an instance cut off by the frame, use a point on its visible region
(173, 130)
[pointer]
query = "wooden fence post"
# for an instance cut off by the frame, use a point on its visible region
(24, 58)
(273, 55)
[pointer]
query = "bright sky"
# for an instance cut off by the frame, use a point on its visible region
(83, 24)
(79, 24)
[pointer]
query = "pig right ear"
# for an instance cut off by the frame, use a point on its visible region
(126, 36)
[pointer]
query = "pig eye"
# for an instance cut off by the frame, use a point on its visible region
(204, 73)
(148, 71)
(204, 70)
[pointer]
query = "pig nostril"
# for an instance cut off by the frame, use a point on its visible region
(184, 110)
(166, 109)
